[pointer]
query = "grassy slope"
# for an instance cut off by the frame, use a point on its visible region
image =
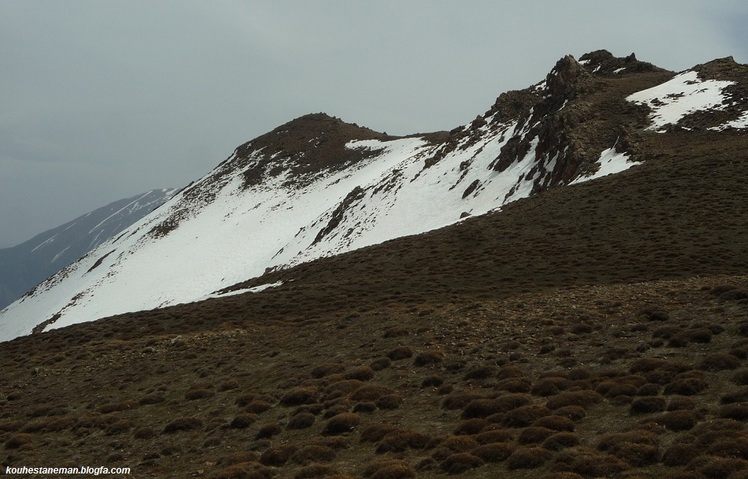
(570, 284)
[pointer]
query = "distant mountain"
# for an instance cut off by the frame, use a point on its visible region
(318, 187)
(24, 266)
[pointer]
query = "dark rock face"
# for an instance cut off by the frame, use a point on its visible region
(602, 62)
(563, 120)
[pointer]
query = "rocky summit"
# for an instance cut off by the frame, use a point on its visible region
(557, 289)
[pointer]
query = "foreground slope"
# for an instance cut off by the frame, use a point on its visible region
(317, 186)
(596, 330)
(24, 266)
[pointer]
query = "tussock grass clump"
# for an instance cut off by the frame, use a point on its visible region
(561, 440)
(278, 456)
(49, 424)
(399, 353)
(183, 424)
(144, 432)
(245, 470)
(370, 392)
(300, 395)
(654, 313)
(550, 386)
(460, 462)
(679, 403)
(389, 401)
(524, 416)
(514, 385)
(432, 382)
(717, 467)
(511, 371)
(583, 398)
(360, 373)
(427, 358)
(258, 406)
(638, 455)
(496, 435)
(475, 408)
(688, 386)
(562, 475)
(399, 441)
(228, 384)
(380, 364)
(314, 471)
(740, 377)
(327, 369)
(238, 458)
(112, 407)
(741, 395)
(737, 411)
(478, 373)
(243, 421)
(471, 426)
(730, 447)
(313, 453)
(333, 442)
(611, 442)
(268, 430)
(376, 432)
(365, 407)
(494, 452)
(340, 424)
(593, 465)
(645, 365)
(528, 458)
(458, 400)
(194, 394)
(388, 469)
(575, 413)
(445, 446)
(301, 420)
(534, 435)
(395, 332)
(246, 398)
(153, 398)
(680, 454)
(677, 420)
(647, 405)
(719, 362)
(342, 387)
(555, 423)
(18, 440)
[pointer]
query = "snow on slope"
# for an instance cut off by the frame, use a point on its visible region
(294, 195)
(684, 94)
(241, 231)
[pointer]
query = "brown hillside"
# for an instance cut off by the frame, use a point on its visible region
(597, 330)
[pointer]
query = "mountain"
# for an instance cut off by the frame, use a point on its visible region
(24, 266)
(595, 329)
(318, 186)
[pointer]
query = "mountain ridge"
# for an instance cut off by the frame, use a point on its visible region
(598, 329)
(317, 186)
(27, 264)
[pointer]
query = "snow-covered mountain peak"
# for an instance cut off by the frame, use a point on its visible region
(318, 186)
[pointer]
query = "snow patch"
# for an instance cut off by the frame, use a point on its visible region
(611, 162)
(676, 98)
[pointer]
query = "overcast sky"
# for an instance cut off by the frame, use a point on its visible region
(101, 100)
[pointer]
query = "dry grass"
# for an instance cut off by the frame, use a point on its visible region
(531, 343)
